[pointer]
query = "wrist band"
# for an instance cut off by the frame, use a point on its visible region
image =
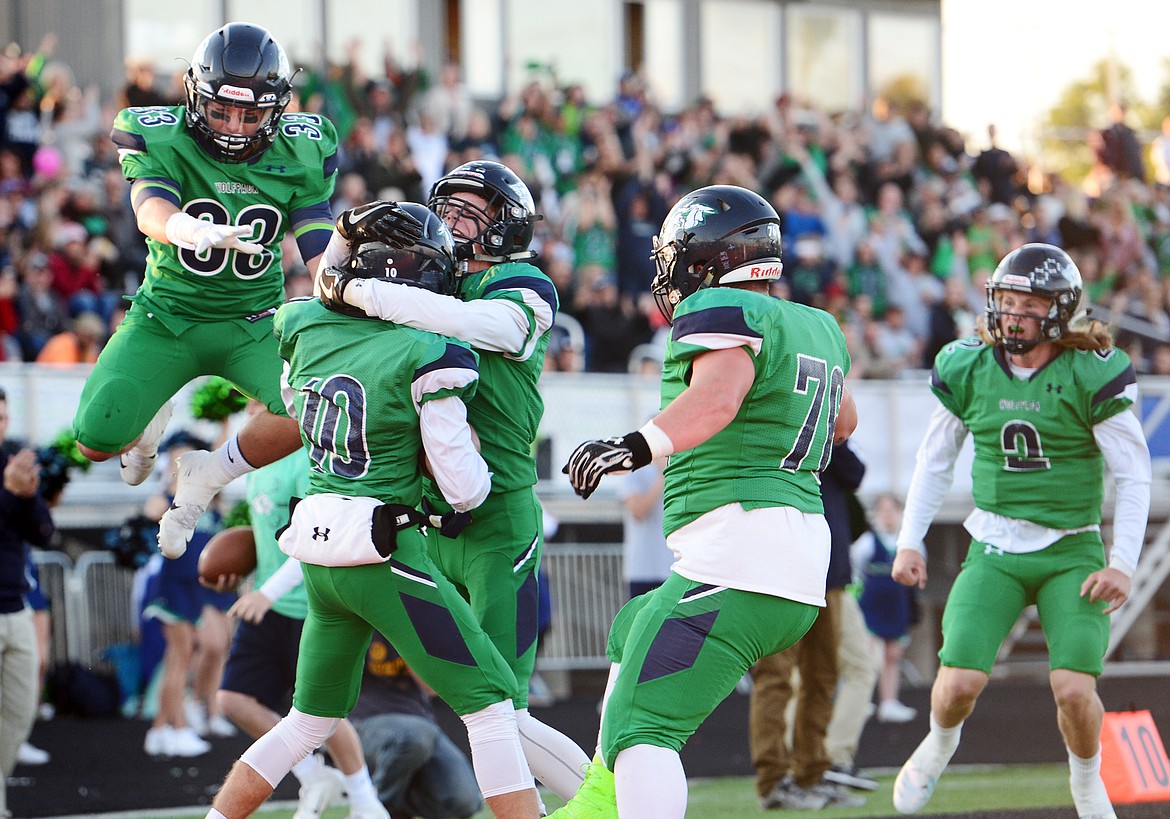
(658, 441)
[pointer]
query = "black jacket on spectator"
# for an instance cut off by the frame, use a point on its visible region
(21, 520)
(838, 482)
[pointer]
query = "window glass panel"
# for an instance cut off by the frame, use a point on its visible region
(381, 26)
(903, 49)
(579, 40)
(663, 25)
(482, 48)
(296, 25)
(166, 35)
(824, 63)
(740, 54)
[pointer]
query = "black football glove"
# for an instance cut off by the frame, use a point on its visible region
(449, 524)
(379, 221)
(593, 459)
(332, 282)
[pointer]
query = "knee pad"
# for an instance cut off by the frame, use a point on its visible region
(496, 755)
(112, 417)
(294, 738)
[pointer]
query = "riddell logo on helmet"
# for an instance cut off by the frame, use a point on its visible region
(767, 271)
(1018, 281)
(232, 92)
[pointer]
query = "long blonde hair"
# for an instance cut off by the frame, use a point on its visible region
(1088, 334)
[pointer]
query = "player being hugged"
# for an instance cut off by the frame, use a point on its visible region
(215, 185)
(503, 308)
(1047, 404)
(370, 396)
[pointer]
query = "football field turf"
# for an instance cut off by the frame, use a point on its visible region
(972, 792)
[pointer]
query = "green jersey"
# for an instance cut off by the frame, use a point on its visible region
(269, 491)
(782, 434)
(287, 187)
(1035, 455)
(507, 406)
(359, 384)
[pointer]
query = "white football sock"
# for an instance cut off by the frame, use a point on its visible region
(1086, 785)
(936, 750)
(232, 461)
(359, 788)
(308, 768)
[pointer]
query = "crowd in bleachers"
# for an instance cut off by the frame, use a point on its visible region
(891, 220)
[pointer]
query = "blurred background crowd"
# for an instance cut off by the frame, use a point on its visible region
(891, 222)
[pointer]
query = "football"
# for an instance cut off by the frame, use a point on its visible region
(230, 552)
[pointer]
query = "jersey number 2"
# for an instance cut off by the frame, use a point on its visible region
(1022, 448)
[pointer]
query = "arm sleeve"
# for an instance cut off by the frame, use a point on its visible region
(336, 252)
(1123, 445)
(460, 471)
(283, 580)
(493, 325)
(934, 471)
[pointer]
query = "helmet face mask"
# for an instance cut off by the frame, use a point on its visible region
(428, 264)
(238, 72)
(1040, 270)
(718, 235)
(506, 218)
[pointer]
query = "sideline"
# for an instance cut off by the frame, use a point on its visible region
(193, 810)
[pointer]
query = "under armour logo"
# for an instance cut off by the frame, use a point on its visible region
(323, 534)
(279, 168)
(1058, 389)
(987, 549)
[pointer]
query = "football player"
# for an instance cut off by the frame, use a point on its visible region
(503, 308)
(753, 396)
(215, 183)
(1047, 404)
(261, 666)
(371, 397)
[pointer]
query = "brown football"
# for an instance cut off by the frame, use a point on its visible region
(232, 551)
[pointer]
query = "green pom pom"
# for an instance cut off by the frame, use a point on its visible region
(65, 445)
(238, 515)
(217, 399)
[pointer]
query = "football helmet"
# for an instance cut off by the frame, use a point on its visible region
(716, 235)
(429, 263)
(506, 224)
(241, 66)
(1040, 270)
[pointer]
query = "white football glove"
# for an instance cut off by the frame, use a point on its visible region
(200, 235)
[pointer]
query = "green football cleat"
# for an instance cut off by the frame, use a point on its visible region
(595, 799)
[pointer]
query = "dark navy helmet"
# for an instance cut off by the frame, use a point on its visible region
(714, 236)
(242, 66)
